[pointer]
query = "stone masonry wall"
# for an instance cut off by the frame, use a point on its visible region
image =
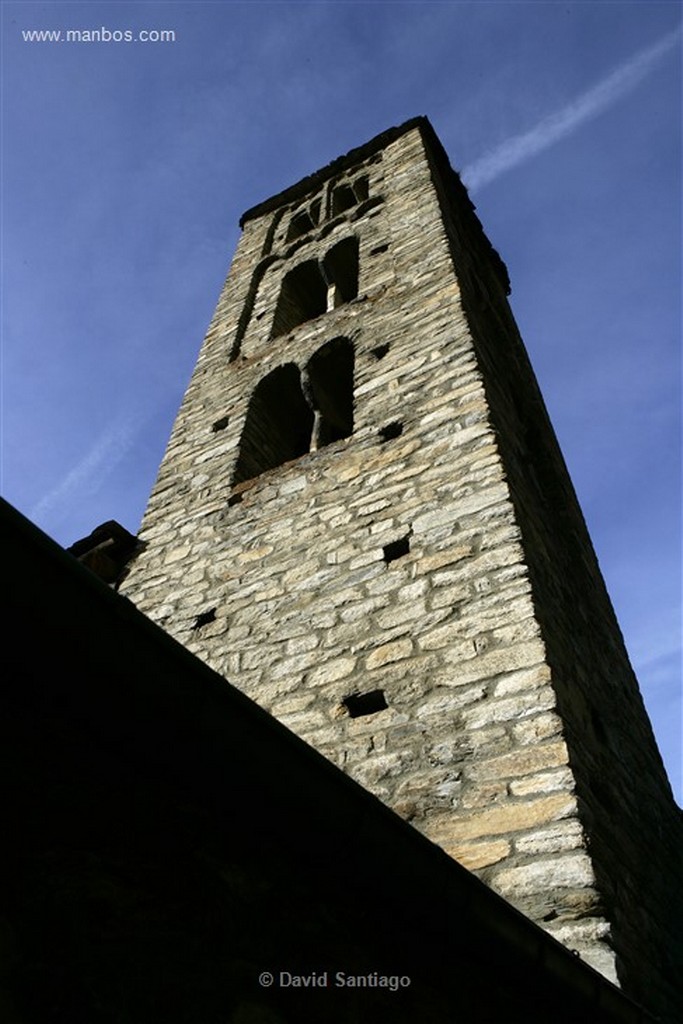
(393, 563)
(634, 828)
(626, 808)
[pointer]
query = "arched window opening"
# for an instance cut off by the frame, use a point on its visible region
(328, 387)
(348, 195)
(248, 307)
(304, 221)
(310, 289)
(299, 225)
(278, 427)
(303, 296)
(315, 210)
(360, 188)
(340, 267)
(290, 414)
(343, 199)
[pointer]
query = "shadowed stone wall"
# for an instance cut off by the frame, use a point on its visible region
(172, 853)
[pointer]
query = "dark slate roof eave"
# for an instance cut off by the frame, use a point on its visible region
(48, 583)
(313, 181)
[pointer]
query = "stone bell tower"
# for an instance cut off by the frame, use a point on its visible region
(363, 520)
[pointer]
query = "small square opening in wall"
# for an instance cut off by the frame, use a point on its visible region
(220, 424)
(360, 704)
(397, 549)
(380, 351)
(390, 431)
(204, 618)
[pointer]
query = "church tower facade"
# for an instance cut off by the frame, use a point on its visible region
(364, 522)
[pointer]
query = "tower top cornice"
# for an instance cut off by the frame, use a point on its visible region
(314, 181)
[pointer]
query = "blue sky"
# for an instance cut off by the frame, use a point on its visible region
(126, 167)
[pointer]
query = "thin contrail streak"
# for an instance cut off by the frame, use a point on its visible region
(558, 125)
(107, 451)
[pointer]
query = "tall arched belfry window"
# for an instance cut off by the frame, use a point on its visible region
(328, 385)
(340, 268)
(312, 287)
(278, 426)
(303, 296)
(291, 413)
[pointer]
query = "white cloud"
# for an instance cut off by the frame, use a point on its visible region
(558, 125)
(95, 466)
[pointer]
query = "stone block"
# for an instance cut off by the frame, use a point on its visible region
(396, 650)
(509, 709)
(475, 856)
(407, 611)
(515, 816)
(544, 782)
(526, 761)
(331, 671)
(438, 560)
(555, 838)
(571, 871)
(537, 728)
